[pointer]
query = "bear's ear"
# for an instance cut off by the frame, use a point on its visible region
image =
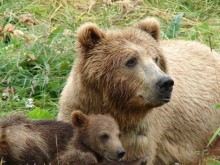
(150, 25)
(89, 35)
(79, 119)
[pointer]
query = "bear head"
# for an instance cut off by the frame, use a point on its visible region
(100, 134)
(126, 67)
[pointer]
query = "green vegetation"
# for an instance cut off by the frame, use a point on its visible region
(37, 40)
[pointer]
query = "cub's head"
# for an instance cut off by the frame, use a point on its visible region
(126, 67)
(99, 133)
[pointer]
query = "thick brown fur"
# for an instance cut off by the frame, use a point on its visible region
(117, 72)
(32, 142)
(26, 142)
(96, 141)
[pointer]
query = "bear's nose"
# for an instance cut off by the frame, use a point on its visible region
(165, 85)
(120, 153)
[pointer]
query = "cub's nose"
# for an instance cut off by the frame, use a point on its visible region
(165, 85)
(120, 153)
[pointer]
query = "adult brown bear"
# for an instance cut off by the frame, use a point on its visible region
(125, 72)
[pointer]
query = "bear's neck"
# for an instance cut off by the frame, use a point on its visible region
(130, 117)
(90, 100)
(136, 122)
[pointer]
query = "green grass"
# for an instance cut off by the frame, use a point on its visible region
(37, 64)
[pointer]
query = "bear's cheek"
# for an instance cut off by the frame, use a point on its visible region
(156, 86)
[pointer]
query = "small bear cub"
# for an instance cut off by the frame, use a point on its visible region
(96, 141)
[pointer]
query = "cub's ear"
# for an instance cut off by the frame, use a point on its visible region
(79, 119)
(89, 35)
(150, 25)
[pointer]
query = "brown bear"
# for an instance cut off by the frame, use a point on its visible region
(96, 141)
(130, 74)
(32, 142)
(92, 140)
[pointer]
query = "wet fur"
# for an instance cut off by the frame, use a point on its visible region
(98, 83)
(84, 148)
(32, 142)
(39, 142)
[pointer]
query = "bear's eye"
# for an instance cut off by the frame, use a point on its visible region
(131, 62)
(119, 135)
(156, 59)
(104, 136)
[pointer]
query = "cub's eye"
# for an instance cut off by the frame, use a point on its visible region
(104, 136)
(132, 62)
(156, 59)
(119, 135)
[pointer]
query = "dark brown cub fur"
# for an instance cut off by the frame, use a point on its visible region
(32, 142)
(96, 141)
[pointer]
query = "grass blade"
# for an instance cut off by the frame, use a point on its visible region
(217, 133)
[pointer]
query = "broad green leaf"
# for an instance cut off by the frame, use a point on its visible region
(217, 106)
(174, 26)
(38, 113)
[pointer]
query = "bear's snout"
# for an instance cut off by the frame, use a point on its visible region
(165, 86)
(120, 153)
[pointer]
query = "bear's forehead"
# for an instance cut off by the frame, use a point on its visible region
(102, 119)
(125, 48)
(129, 34)
(104, 127)
(129, 40)
(103, 122)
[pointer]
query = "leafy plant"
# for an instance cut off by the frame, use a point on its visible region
(211, 161)
(217, 106)
(174, 26)
(38, 63)
(38, 113)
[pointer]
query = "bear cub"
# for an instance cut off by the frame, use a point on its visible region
(96, 141)
(89, 140)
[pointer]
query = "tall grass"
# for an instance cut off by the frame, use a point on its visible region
(36, 64)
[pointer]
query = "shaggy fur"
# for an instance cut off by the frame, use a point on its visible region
(117, 72)
(96, 141)
(32, 142)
